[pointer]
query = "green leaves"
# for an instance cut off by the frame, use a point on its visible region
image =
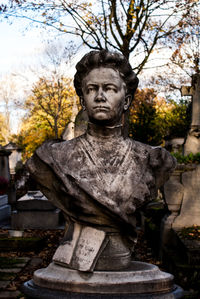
(153, 118)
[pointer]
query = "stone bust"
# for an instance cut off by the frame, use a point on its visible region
(101, 178)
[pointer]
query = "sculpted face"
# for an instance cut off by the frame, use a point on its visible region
(104, 96)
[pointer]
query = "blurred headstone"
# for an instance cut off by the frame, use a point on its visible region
(34, 211)
(192, 143)
(15, 157)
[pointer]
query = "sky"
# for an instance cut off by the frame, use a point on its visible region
(21, 50)
(18, 50)
(18, 47)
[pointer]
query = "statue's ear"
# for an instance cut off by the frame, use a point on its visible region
(127, 101)
(82, 101)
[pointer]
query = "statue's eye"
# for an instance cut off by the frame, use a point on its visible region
(91, 89)
(111, 88)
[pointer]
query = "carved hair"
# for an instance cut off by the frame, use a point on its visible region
(104, 58)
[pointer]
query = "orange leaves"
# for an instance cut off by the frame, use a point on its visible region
(49, 110)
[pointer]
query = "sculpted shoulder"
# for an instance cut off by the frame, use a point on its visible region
(57, 149)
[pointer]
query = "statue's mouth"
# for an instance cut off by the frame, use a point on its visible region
(101, 108)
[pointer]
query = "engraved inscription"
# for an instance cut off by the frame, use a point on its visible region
(88, 247)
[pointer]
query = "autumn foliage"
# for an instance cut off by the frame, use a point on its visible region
(153, 118)
(49, 110)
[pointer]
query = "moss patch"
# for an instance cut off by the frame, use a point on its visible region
(7, 262)
(21, 244)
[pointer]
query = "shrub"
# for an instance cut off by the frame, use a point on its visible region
(190, 158)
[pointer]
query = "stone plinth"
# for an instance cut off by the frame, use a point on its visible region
(34, 211)
(35, 219)
(140, 280)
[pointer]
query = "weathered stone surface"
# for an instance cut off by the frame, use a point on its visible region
(190, 209)
(15, 157)
(82, 251)
(139, 278)
(192, 144)
(173, 191)
(33, 291)
(4, 163)
(35, 220)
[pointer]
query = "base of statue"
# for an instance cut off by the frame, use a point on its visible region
(141, 280)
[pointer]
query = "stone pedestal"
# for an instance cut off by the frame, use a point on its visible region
(182, 195)
(5, 208)
(140, 280)
(34, 211)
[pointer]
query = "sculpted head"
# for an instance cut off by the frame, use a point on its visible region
(106, 84)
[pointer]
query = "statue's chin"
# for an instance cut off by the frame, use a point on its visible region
(104, 121)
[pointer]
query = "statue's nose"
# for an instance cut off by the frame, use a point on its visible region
(100, 95)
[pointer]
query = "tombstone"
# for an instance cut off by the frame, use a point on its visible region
(192, 143)
(15, 156)
(4, 163)
(5, 208)
(34, 211)
(173, 194)
(69, 131)
(81, 123)
(182, 191)
(189, 213)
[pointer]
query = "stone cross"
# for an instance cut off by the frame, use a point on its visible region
(192, 143)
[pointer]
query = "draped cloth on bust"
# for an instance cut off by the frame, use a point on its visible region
(99, 182)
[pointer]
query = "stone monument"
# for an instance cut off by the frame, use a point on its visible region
(15, 157)
(34, 211)
(182, 191)
(5, 208)
(99, 180)
(192, 143)
(4, 163)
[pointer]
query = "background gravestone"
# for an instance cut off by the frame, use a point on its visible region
(5, 208)
(4, 163)
(192, 143)
(34, 211)
(15, 156)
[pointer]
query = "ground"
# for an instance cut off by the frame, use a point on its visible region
(17, 266)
